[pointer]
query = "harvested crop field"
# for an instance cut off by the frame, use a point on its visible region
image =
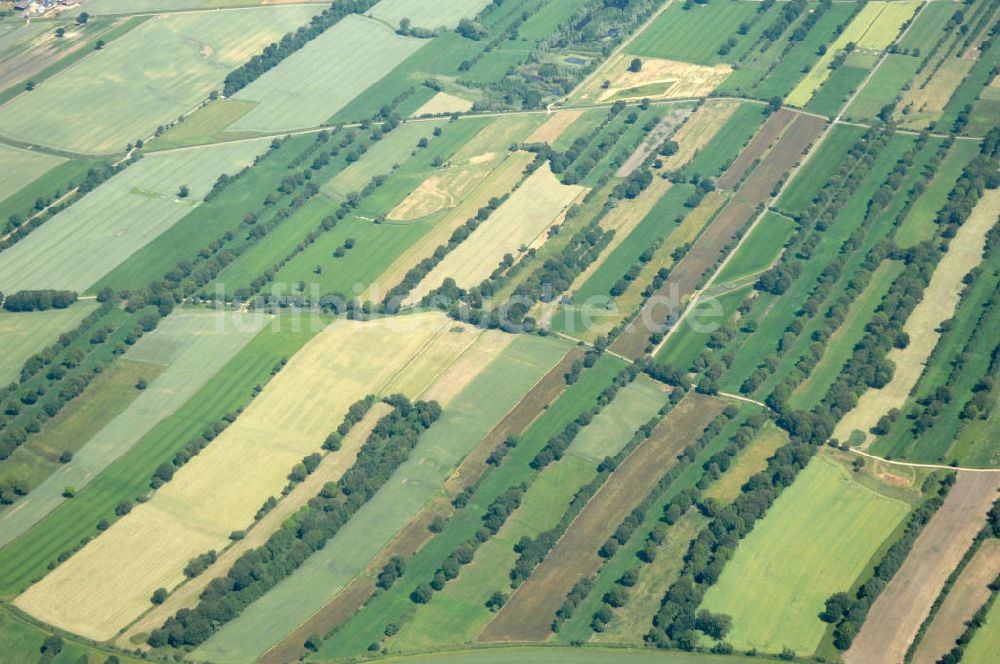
(330, 469)
(938, 305)
(411, 538)
(84, 242)
(815, 540)
(147, 78)
(758, 148)
(554, 127)
(528, 613)
(25, 333)
(899, 610)
(192, 346)
(297, 95)
(443, 103)
(970, 592)
(658, 79)
(700, 128)
(200, 507)
(525, 216)
(483, 403)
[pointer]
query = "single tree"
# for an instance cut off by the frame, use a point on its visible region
(635, 66)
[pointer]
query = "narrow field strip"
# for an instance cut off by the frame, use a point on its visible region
(202, 505)
(193, 346)
(816, 539)
(146, 78)
(330, 469)
(83, 243)
(899, 610)
(529, 211)
(25, 333)
(528, 613)
(471, 414)
(938, 304)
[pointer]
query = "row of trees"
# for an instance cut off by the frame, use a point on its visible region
(672, 510)
(38, 300)
(260, 569)
(849, 610)
(274, 53)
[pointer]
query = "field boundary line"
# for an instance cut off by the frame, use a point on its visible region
(936, 466)
(424, 508)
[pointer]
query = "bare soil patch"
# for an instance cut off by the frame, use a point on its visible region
(759, 146)
(661, 132)
(658, 78)
(898, 612)
(720, 235)
(528, 614)
(554, 127)
(970, 592)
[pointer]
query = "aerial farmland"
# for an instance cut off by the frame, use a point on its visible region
(499, 331)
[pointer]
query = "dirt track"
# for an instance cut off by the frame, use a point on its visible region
(726, 228)
(416, 533)
(897, 614)
(528, 614)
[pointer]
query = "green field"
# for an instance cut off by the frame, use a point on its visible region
(83, 243)
(356, 634)
(483, 403)
(459, 612)
(107, 396)
(819, 169)
(147, 78)
(611, 429)
(380, 159)
(895, 72)
(760, 249)
(193, 346)
(790, 69)
(814, 541)
(695, 34)
(985, 645)
(836, 90)
(206, 222)
(726, 144)
(427, 13)
(24, 334)
(841, 345)
(697, 327)
(21, 641)
(358, 52)
(26, 558)
(18, 168)
(47, 188)
(919, 224)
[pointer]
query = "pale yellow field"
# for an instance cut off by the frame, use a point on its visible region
(107, 584)
(554, 127)
(501, 180)
(487, 347)
(928, 103)
(442, 103)
(632, 299)
(940, 299)
(700, 128)
(330, 469)
(658, 79)
(525, 216)
(500, 133)
(622, 220)
(875, 27)
(444, 189)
